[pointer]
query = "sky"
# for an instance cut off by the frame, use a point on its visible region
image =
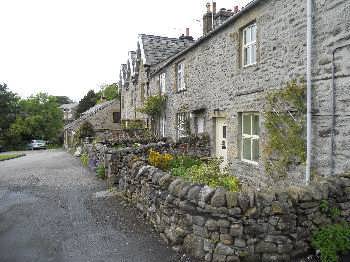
(67, 47)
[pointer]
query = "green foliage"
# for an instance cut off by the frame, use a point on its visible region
(88, 101)
(38, 117)
(109, 92)
(9, 156)
(153, 105)
(209, 173)
(101, 171)
(332, 240)
(8, 109)
(285, 126)
(84, 158)
(61, 100)
(85, 130)
(332, 212)
(184, 161)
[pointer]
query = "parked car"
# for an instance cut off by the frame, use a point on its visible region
(37, 144)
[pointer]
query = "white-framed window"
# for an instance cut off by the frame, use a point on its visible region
(162, 125)
(249, 45)
(180, 76)
(181, 124)
(250, 137)
(162, 83)
(200, 124)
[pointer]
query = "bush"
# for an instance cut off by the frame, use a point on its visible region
(159, 160)
(332, 240)
(184, 161)
(84, 159)
(101, 171)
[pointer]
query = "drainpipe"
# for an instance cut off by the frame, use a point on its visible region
(309, 90)
(333, 103)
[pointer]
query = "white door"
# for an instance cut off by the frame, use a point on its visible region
(221, 139)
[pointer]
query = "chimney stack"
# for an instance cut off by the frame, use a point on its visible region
(236, 9)
(207, 20)
(187, 36)
(187, 32)
(214, 8)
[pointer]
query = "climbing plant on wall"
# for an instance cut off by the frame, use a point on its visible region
(153, 105)
(285, 116)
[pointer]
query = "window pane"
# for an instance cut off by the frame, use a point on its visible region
(255, 149)
(248, 35)
(256, 127)
(253, 31)
(247, 124)
(224, 132)
(245, 60)
(246, 148)
(253, 53)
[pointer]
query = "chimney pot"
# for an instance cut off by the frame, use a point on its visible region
(187, 31)
(214, 8)
(236, 9)
(208, 7)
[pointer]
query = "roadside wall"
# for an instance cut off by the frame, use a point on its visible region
(216, 225)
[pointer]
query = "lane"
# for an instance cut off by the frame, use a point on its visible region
(48, 212)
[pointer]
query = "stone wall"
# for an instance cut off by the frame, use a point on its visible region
(216, 225)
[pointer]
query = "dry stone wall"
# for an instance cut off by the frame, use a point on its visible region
(217, 225)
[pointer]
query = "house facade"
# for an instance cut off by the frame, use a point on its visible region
(103, 118)
(135, 74)
(219, 84)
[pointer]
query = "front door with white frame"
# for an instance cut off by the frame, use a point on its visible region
(221, 139)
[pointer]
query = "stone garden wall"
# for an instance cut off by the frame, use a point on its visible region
(216, 225)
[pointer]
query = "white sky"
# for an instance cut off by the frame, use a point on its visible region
(66, 47)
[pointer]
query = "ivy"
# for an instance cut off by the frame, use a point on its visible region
(153, 105)
(285, 126)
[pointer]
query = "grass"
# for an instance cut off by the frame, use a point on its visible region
(9, 156)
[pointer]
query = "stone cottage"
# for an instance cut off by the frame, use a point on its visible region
(220, 82)
(135, 74)
(103, 118)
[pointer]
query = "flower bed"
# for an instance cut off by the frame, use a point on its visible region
(195, 170)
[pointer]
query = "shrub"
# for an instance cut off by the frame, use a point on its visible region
(332, 240)
(84, 159)
(159, 160)
(101, 171)
(184, 161)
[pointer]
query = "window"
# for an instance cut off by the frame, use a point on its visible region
(162, 125)
(132, 98)
(182, 124)
(249, 45)
(122, 102)
(180, 79)
(162, 83)
(250, 137)
(116, 117)
(200, 124)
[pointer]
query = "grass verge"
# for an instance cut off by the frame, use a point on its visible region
(10, 156)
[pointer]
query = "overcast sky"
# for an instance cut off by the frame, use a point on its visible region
(66, 47)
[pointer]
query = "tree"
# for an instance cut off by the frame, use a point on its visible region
(8, 106)
(38, 117)
(88, 101)
(61, 100)
(109, 92)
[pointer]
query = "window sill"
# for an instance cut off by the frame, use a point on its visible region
(250, 162)
(251, 65)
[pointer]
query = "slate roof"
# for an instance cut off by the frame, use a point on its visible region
(90, 112)
(159, 48)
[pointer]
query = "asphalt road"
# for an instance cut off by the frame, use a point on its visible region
(49, 212)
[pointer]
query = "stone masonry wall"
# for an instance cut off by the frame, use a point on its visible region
(216, 225)
(215, 78)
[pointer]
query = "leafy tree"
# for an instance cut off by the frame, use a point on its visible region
(88, 101)
(61, 100)
(8, 106)
(38, 117)
(108, 92)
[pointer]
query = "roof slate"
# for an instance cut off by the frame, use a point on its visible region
(159, 48)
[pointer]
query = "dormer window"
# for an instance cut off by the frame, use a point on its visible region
(162, 83)
(249, 45)
(180, 76)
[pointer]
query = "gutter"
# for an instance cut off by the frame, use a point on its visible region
(333, 103)
(200, 40)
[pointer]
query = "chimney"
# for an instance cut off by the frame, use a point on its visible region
(207, 20)
(236, 9)
(187, 36)
(221, 16)
(214, 8)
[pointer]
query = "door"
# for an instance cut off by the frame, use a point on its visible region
(221, 139)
